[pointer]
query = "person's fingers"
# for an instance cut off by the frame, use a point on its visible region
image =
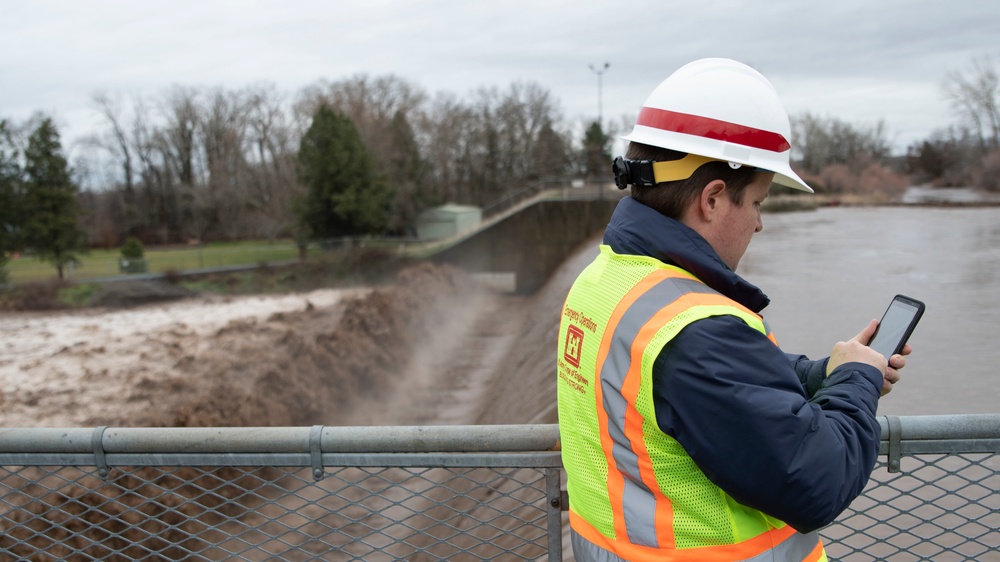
(865, 335)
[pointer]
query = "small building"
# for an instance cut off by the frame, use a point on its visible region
(447, 220)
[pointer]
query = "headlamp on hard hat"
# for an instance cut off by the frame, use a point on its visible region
(633, 172)
(647, 173)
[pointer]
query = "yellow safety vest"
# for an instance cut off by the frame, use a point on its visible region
(634, 491)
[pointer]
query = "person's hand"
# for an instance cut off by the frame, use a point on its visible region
(856, 350)
(896, 362)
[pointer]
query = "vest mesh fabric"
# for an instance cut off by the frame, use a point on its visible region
(702, 515)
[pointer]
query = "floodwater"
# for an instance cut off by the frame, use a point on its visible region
(828, 272)
(490, 360)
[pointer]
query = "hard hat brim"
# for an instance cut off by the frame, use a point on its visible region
(776, 162)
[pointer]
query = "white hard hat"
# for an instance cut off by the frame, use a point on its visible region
(724, 110)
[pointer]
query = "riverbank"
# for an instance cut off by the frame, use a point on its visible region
(333, 270)
(915, 196)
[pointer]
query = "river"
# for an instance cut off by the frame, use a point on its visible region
(829, 271)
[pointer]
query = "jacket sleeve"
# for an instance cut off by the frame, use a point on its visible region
(811, 373)
(738, 406)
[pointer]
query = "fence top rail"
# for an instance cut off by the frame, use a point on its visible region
(388, 439)
(325, 439)
(956, 426)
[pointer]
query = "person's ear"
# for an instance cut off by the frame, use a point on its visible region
(711, 198)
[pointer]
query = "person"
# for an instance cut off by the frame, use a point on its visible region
(686, 432)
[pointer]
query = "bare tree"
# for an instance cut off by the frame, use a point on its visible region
(181, 110)
(272, 184)
(117, 142)
(500, 145)
(526, 112)
(821, 142)
(221, 164)
(223, 131)
(975, 95)
(159, 185)
(445, 133)
(216, 164)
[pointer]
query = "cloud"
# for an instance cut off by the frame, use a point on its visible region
(852, 59)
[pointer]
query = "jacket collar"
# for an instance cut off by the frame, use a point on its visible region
(639, 230)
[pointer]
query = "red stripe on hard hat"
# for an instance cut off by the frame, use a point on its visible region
(712, 129)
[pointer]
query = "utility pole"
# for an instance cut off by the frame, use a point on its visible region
(600, 73)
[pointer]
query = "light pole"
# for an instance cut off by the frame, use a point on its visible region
(599, 72)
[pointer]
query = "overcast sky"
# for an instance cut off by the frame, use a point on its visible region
(860, 61)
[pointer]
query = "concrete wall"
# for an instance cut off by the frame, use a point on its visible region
(447, 220)
(531, 243)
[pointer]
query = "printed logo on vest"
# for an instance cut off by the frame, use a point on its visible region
(574, 345)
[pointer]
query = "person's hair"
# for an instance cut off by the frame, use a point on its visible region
(672, 198)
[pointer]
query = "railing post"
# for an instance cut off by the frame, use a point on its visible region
(100, 461)
(895, 443)
(316, 452)
(553, 493)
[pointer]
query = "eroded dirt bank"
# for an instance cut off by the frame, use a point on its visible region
(425, 350)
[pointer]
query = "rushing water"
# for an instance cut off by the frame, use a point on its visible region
(830, 271)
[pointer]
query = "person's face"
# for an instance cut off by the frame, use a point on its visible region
(738, 223)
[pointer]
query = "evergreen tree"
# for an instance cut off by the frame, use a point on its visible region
(49, 201)
(10, 180)
(596, 153)
(408, 172)
(553, 157)
(345, 195)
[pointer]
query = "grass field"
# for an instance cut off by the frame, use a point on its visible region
(105, 263)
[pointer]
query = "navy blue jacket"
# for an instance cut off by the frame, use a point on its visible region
(768, 428)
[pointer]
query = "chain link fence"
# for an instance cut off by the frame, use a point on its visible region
(935, 495)
(420, 493)
(268, 513)
(323, 493)
(947, 507)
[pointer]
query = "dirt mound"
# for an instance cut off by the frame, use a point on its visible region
(432, 347)
(318, 365)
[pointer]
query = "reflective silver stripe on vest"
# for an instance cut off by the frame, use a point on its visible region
(639, 501)
(586, 551)
(795, 547)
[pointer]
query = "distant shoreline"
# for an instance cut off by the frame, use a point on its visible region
(806, 202)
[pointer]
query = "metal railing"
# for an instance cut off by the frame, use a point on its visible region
(934, 496)
(420, 493)
(559, 188)
(321, 493)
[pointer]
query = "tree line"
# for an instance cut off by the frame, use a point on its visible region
(839, 157)
(212, 164)
(366, 155)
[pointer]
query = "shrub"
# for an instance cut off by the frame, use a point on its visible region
(879, 180)
(34, 296)
(132, 248)
(838, 178)
(988, 175)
